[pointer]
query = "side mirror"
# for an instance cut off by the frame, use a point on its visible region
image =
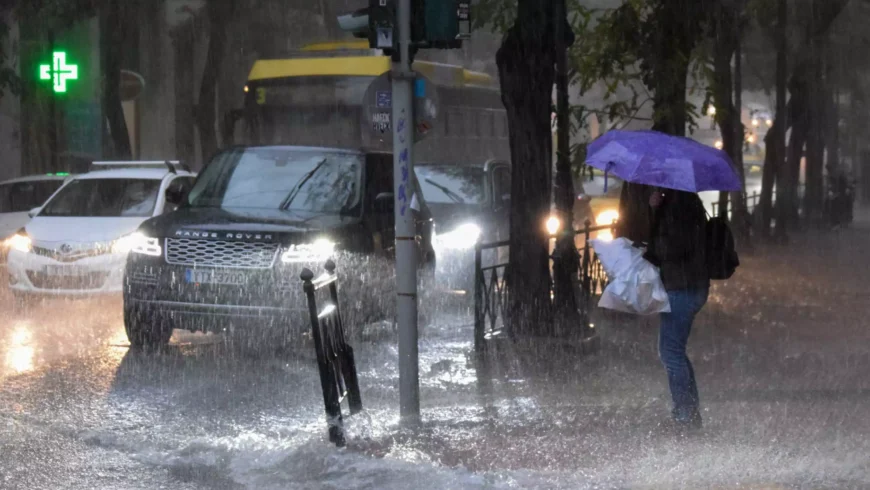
(174, 196)
(33, 212)
(385, 202)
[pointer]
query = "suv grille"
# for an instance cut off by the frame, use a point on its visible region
(216, 253)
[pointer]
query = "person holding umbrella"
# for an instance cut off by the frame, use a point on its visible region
(671, 170)
(678, 247)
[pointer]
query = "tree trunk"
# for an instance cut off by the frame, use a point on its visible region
(526, 71)
(669, 61)
(764, 208)
(111, 44)
(219, 16)
(727, 115)
(774, 164)
(819, 98)
(741, 221)
(565, 258)
(789, 174)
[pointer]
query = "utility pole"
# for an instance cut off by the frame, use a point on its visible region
(566, 260)
(388, 26)
(406, 251)
(782, 172)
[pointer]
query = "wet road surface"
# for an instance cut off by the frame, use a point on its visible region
(781, 354)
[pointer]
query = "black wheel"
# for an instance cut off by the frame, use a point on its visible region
(142, 331)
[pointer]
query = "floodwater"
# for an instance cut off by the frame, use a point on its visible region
(781, 354)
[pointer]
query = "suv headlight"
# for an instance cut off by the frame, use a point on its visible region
(137, 243)
(461, 238)
(316, 251)
(20, 242)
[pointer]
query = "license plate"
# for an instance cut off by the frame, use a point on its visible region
(60, 271)
(231, 278)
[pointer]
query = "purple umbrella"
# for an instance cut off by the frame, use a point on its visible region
(662, 160)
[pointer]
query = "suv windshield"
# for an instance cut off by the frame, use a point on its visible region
(283, 178)
(105, 198)
(20, 197)
(452, 184)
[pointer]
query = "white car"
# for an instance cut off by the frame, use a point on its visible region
(19, 196)
(77, 243)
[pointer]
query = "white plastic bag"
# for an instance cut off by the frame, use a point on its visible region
(635, 284)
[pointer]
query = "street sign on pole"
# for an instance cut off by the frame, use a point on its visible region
(402, 97)
(377, 114)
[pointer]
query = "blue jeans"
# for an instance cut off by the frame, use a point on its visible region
(673, 337)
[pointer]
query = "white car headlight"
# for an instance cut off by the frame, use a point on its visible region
(606, 218)
(316, 251)
(137, 243)
(20, 242)
(463, 237)
(553, 225)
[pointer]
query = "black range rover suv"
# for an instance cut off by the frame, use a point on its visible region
(229, 258)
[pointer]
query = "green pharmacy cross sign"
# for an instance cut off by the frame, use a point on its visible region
(59, 72)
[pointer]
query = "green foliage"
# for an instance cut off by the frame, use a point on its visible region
(615, 56)
(606, 55)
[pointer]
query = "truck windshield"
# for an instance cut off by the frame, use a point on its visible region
(279, 178)
(452, 184)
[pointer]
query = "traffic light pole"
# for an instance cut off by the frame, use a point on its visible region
(406, 250)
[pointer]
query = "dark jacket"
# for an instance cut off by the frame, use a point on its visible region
(679, 241)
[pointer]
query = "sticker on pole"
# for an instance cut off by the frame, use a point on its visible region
(385, 37)
(377, 113)
(384, 99)
(381, 122)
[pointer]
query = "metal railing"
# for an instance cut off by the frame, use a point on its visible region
(335, 361)
(753, 200)
(591, 278)
(491, 293)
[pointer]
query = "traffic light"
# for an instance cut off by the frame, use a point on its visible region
(382, 31)
(440, 24)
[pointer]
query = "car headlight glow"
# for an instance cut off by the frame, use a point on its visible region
(316, 251)
(461, 238)
(20, 242)
(553, 225)
(607, 217)
(137, 243)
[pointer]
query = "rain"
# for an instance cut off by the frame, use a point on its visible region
(434, 244)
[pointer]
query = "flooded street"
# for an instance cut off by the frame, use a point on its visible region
(780, 360)
(203, 203)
